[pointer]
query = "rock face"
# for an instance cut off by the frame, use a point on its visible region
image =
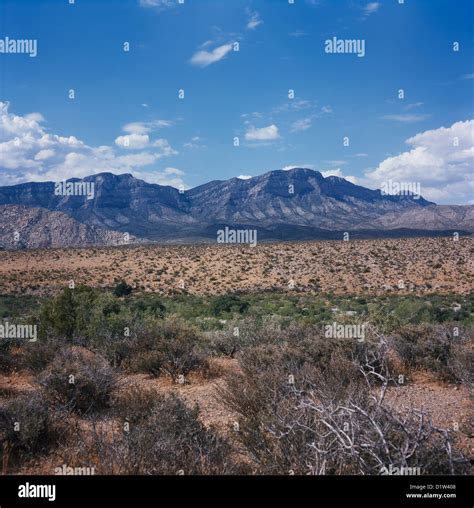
(284, 205)
(31, 228)
(433, 217)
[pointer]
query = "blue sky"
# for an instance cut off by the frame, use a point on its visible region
(127, 117)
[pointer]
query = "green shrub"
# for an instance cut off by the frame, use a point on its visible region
(122, 289)
(228, 304)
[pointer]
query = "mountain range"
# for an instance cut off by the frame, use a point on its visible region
(282, 205)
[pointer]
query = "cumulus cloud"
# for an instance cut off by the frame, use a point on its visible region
(244, 177)
(205, 58)
(29, 153)
(441, 160)
(169, 176)
(133, 141)
(338, 172)
(44, 154)
(269, 133)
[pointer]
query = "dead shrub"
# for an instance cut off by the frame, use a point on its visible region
(79, 380)
(166, 439)
(435, 349)
(26, 427)
(311, 418)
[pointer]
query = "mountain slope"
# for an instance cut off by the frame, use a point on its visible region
(299, 197)
(32, 228)
(294, 204)
(434, 217)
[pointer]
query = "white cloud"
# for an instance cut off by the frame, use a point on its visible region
(269, 133)
(29, 153)
(145, 127)
(254, 20)
(441, 160)
(133, 141)
(370, 8)
(294, 166)
(414, 105)
(42, 155)
(158, 4)
(36, 117)
(165, 147)
(406, 118)
(302, 124)
(294, 105)
(338, 172)
(194, 143)
(169, 176)
(204, 58)
(244, 177)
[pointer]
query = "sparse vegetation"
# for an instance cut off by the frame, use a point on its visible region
(127, 370)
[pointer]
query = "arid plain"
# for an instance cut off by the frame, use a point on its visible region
(375, 267)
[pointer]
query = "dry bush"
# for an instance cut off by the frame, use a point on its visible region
(329, 419)
(165, 438)
(27, 428)
(435, 349)
(7, 363)
(251, 332)
(36, 356)
(135, 403)
(172, 348)
(179, 351)
(146, 362)
(79, 380)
